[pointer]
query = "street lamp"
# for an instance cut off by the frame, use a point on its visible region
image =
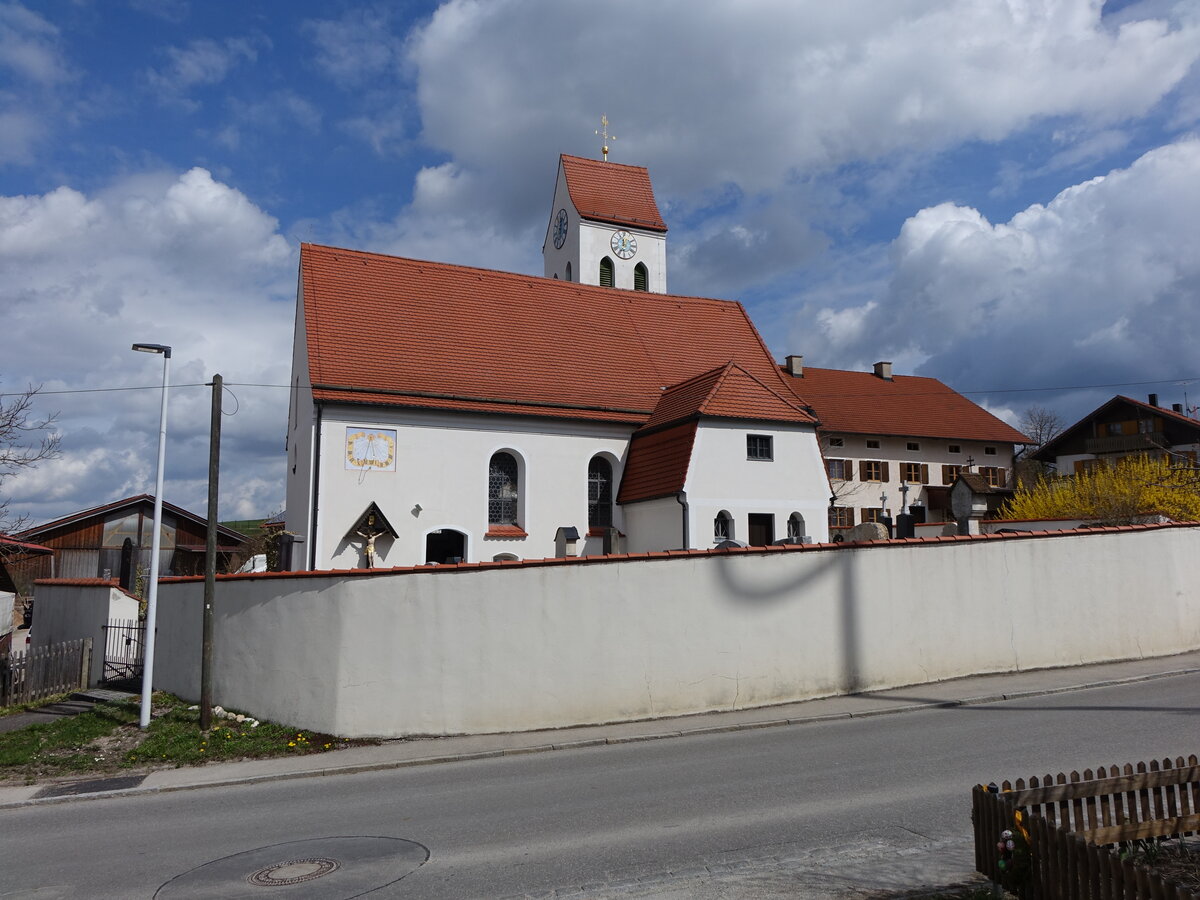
(156, 540)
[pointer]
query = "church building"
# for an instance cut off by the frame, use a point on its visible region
(444, 413)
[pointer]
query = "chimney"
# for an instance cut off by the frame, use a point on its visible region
(795, 366)
(883, 370)
(1153, 398)
(1177, 408)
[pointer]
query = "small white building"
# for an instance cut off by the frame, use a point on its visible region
(896, 440)
(443, 413)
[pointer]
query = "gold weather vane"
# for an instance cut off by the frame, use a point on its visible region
(607, 137)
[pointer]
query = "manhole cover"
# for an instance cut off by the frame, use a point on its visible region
(294, 871)
(332, 868)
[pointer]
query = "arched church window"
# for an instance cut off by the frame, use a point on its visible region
(606, 272)
(795, 526)
(569, 278)
(723, 527)
(503, 489)
(641, 278)
(599, 493)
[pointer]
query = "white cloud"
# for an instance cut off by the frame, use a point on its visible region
(182, 260)
(201, 62)
(29, 46)
(357, 49)
(1098, 285)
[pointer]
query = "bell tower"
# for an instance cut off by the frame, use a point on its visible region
(605, 227)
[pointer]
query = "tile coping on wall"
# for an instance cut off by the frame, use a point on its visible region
(645, 556)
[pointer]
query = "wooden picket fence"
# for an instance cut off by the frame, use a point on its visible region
(1073, 826)
(42, 672)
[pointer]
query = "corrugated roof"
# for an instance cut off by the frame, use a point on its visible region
(907, 405)
(400, 332)
(611, 192)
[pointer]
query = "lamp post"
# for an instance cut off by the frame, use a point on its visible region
(156, 540)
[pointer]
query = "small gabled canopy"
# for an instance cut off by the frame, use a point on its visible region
(371, 522)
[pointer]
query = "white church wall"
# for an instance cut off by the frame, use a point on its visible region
(448, 651)
(300, 437)
(721, 477)
(654, 525)
(439, 480)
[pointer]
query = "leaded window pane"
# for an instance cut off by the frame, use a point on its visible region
(502, 490)
(599, 493)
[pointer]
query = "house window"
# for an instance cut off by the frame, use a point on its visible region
(606, 272)
(872, 444)
(949, 473)
(723, 527)
(872, 470)
(641, 278)
(955, 448)
(989, 451)
(837, 442)
(841, 469)
(913, 445)
(993, 475)
(841, 517)
(795, 527)
(915, 473)
(1086, 465)
(758, 446)
(872, 513)
(569, 276)
(503, 490)
(599, 493)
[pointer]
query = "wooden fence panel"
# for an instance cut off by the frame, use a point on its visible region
(42, 672)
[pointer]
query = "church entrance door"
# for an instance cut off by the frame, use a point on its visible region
(762, 529)
(445, 546)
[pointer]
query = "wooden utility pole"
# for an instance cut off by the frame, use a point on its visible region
(210, 558)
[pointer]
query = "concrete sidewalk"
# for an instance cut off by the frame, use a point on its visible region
(429, 751)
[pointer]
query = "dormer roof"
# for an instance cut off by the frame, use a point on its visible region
(612, 193)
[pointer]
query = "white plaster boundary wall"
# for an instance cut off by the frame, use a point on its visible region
(68, 611)
(505, 647)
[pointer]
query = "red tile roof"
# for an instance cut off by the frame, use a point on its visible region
(610, 192)
(908, 405)
(657, 464)
(400, 332)
(728, 392)
(10, 546)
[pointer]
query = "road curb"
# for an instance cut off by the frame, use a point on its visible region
(359, 768)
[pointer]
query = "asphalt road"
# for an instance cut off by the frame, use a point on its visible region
(809, 810)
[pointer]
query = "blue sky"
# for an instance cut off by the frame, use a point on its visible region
(1003, 195)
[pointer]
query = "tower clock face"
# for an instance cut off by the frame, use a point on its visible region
(623, 244)
(560, 229)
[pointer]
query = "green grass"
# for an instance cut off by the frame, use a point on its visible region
(107, 739)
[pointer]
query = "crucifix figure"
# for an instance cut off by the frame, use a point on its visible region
(607, 137)
(369, 546)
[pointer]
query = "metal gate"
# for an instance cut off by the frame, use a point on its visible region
(124, 649)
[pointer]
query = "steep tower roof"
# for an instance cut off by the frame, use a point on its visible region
(613, 193)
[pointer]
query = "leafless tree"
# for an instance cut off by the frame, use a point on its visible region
(25, 441)
(1041, 424)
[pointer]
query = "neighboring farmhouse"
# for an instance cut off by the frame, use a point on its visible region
(442, 413)
(901, 437)
(1123, 427)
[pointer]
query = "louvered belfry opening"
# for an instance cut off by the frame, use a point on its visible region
(606, 272)
(641, 278)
